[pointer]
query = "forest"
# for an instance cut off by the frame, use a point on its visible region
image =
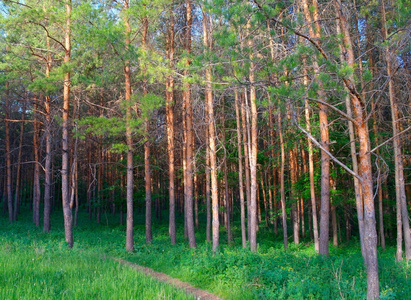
(255, 149)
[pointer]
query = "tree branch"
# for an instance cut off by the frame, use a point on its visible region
(327, 152)
(391, 138)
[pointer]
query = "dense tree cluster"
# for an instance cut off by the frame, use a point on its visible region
(293, 115)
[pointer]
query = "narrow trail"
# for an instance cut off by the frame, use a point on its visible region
(189, 289)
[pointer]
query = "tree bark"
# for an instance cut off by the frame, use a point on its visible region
(357, 186)
(36, 177)
(282, 187)
(67, 211)
(325, 159)
(240, 171)
(365, 169)
(312, 184)
(47, 166)
(398, 160)
(170, 131)
(253, 150)
(8, 154)
(18, 175)
(211, 140)
(147, 171)
(129, 185)
(189, 138)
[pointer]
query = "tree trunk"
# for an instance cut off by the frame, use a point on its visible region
(147, 171)
(129, 185)
(189, 138)
(357, 186)
(208, 190)
(36, 177)
(325, 159)
(398, 161)
(293, 195)
(253, 150)
(47, 166)
(8, 154)
(170, 131)
(211, 142)
(240, 171)
(282, 187)
(365, 169)
(226, 192)
(18, 175)
(67, 211)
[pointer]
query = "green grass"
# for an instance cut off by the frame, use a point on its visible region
(40, 265)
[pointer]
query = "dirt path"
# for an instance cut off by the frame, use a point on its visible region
(189, 289)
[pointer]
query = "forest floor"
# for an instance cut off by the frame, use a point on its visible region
(40, 265)
(188, 288)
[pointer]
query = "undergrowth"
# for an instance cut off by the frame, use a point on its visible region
(40, 264)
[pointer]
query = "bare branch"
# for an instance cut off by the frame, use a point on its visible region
(323, 149)
(334, 108)
(391, 138)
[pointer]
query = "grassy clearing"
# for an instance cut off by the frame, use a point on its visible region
(41, 266)
(38, 266)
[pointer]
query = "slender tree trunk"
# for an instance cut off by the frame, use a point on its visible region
(170, 132)
(293, 195)
(36, 177)
(226, 192)
(147, 170)
(240, 171)
(246, 157)
(282, 187)
(47, 166)
(129, 185)
(18, 175)
(334, 215)
(212, 137)
(189, 138)
(253, 151)
(357, 185)
(325, 159)
(195, 197)
(311, 172)
(365, 169)
(8, 154)
(67, 211)
(398, 160)
(208, 189)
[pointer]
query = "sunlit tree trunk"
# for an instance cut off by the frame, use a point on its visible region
(365, 169)
(170, 131)
(357, 185)
(189, 146)
(252, 149)
(129, 184)
(315, 32)
(67, 210)
(211, 143)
